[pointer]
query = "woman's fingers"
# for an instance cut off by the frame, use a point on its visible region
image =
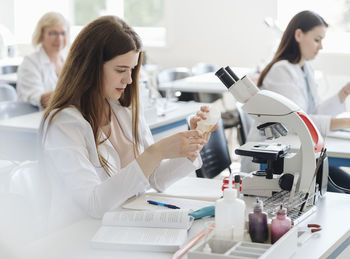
(204, 108)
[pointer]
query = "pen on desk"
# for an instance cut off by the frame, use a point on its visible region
(163, 204)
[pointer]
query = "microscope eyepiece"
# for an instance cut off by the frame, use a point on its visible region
(225, 77)
(232, 74)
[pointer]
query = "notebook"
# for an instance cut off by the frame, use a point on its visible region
(156, 230)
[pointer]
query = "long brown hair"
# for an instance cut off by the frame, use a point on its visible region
(289, 47)
(81, 80)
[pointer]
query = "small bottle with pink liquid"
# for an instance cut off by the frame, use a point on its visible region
(280, 224)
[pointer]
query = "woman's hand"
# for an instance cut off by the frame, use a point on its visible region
(45, 98)
(344, 92)
(201, 115)
(183, 144)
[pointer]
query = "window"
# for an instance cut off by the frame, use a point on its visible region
(335, 12)
(146, 16)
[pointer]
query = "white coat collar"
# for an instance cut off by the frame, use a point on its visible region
(44, 58)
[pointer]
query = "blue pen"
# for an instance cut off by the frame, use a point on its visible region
(163, 204)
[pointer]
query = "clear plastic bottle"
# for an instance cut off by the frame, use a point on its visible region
(212, 118)
(280, 224)
(229, 216)
(258, 229)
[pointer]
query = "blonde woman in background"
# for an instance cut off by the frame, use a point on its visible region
(38, 73)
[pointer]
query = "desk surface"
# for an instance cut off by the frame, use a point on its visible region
(205, 83)
(73, 241)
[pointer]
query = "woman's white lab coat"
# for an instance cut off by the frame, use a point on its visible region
(288, 80)
(36, 76)
(80, 186)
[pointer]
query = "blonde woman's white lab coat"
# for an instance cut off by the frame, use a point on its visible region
(36, 76)
(80, 186)
(288, 80)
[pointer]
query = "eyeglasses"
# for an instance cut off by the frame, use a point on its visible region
(55, 34)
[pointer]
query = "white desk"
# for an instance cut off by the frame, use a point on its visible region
(18, 135)
(9, 78)
(73, 241)
(205, 83)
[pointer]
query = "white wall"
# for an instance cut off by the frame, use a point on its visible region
(221, 32)
(7, 13)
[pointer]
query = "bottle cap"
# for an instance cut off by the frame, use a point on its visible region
(258, 207)
(230, 194)
(282, 211)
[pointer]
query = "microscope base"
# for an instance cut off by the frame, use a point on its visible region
(260, 186)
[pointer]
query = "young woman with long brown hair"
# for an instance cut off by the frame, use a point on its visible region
(290, 74)
(96, 146)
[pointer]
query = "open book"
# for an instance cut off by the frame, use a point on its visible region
(156, 230)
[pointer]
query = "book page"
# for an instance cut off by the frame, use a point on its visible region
(144, 239)
(174, 218)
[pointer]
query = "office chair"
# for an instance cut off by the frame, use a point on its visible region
(11, 69)
(31, 184)
(12, 109)
(215, 154)
(172, 74)
(7, 93)
(243, 127)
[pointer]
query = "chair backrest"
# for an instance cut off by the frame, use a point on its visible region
(13, 109)
(245, 122)
(8, 69)
(202, 68)
(7, 93)
(215, 154)
(32, 184)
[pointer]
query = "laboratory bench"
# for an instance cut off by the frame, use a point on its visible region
(73, 241)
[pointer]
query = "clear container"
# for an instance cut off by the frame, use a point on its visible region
(212, 118)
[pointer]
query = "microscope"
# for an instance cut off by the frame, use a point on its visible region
(276, 114)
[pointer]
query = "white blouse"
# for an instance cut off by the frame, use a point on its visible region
(36, 76)
(80, 186)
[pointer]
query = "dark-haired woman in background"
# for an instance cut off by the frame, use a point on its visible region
(291, 75)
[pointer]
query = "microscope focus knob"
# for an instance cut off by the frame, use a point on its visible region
(286, 181)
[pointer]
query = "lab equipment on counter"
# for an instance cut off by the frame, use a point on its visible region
(212, 118)
(280, 225)
(237, 184)
(230, 215)
(305, 233)
(258, 229)
(277, 114)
